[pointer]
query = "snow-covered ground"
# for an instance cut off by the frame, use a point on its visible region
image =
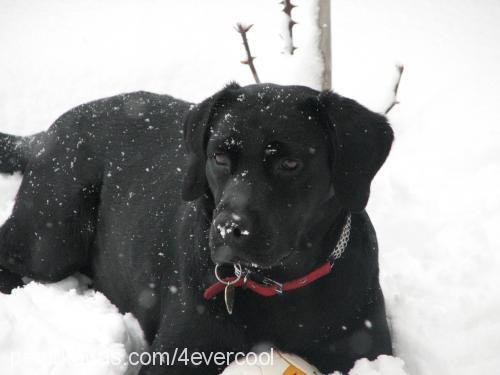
(65, 329)
(435, 203)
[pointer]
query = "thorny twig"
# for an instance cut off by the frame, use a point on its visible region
(287, 9)
(242, 30)
(395, 101)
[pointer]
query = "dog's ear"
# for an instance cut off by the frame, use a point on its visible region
(196, 132)
(361, 141)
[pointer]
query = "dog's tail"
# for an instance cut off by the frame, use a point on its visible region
(14, 152)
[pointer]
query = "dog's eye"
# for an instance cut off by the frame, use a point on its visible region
(221, 159)
(289, 164)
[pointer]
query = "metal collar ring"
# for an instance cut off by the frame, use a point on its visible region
(238, 272)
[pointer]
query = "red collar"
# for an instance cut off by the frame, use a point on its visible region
(269, 289)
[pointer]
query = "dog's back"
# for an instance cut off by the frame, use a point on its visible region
(98, 176)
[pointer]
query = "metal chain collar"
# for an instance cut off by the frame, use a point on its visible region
(343, 240)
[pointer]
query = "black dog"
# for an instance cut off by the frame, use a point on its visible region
(275, 182)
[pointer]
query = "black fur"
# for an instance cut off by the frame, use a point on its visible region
(101, 194)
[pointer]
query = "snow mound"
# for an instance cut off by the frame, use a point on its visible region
(9, 185)
(65, 328)
(383, 365)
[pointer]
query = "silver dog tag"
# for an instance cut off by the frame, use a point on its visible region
(229, 293)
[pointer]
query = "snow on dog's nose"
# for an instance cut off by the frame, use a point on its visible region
(232, 233)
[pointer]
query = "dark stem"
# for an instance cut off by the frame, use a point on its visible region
(395, 101)
(287, 9)
(242, 30)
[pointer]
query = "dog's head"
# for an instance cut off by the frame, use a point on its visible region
(271, 158)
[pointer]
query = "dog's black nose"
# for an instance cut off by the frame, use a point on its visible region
(229, 238)
(232, 228)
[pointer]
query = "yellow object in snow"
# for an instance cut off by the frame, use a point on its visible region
(292, 370)
(280, 364)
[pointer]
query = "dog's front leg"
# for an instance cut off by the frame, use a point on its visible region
(196, 342)
(183, 358)
(167, 368)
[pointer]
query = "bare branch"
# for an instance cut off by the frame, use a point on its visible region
(395, 101)
(242, 30)
(287, 9)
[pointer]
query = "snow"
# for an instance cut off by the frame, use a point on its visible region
(8, 190)
(383, 365)
(434, 204)
(76, 52)
(63, 329)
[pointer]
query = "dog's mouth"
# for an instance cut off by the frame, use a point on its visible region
(251, 264)
(261, 251)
